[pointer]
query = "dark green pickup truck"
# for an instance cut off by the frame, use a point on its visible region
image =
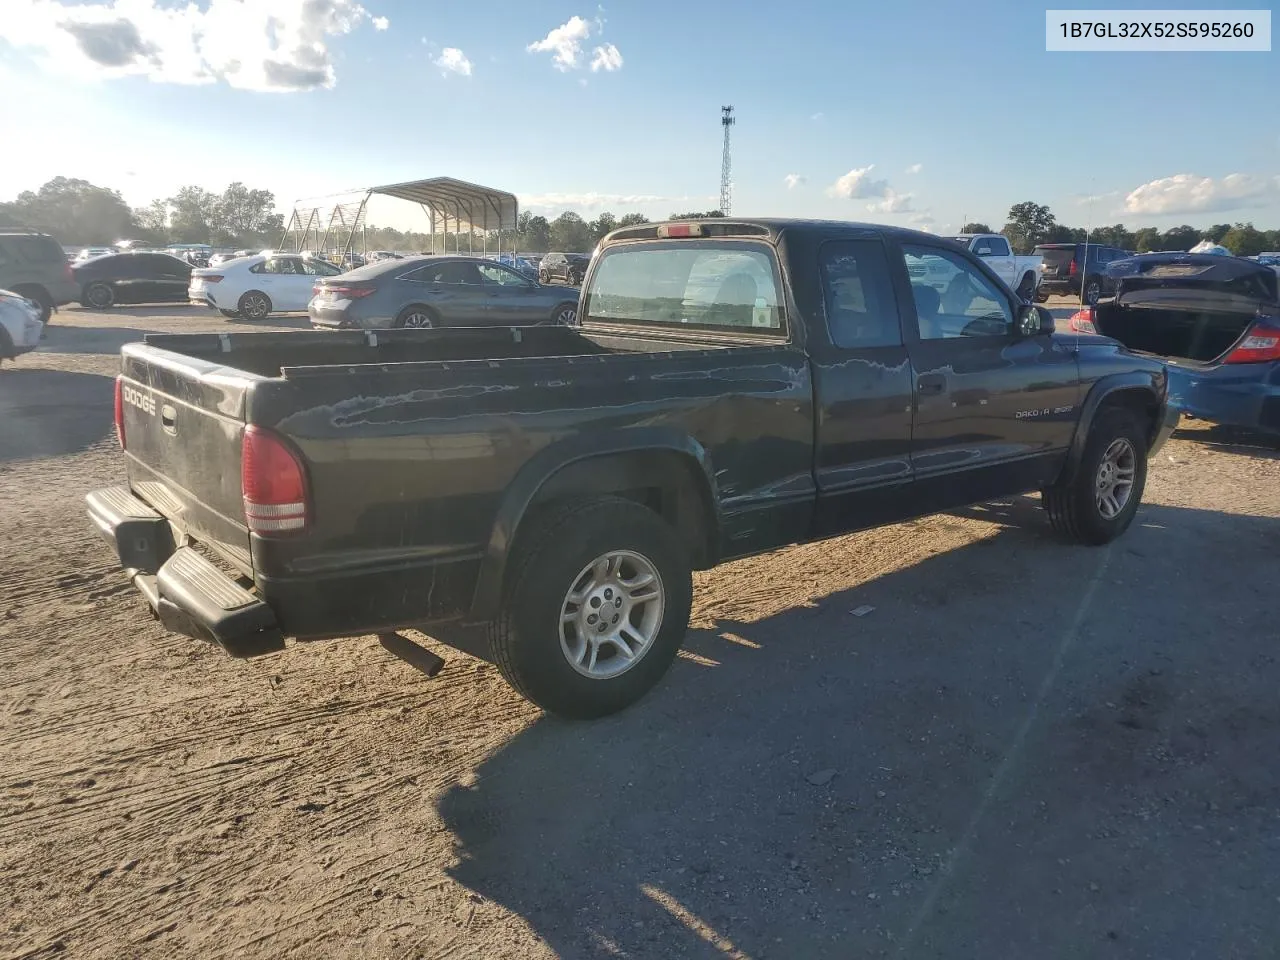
(731, 386)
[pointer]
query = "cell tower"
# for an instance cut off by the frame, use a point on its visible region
(726, 163)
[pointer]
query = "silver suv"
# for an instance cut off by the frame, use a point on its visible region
(35, 266)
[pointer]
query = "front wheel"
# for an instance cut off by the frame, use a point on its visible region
(1099, 503)
(595, 609)
(254, 305)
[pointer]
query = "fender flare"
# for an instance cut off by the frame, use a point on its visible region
(1150, 384)
(543, 466)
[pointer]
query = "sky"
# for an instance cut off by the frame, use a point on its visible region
(920, 113)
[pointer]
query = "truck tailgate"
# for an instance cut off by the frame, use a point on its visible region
(183, 422)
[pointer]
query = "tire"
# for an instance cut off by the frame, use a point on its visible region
(254, 305)
(533, 646)
(1075, 509)
(38, 296)
(565, 315)
(230, 314)
(544, 278)
(1093, 292)
(1027, 287)
(417, 317)
(97, 296)
(6, 346)
(1041, 296)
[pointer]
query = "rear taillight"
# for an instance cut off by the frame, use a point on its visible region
(214, 278)
(70, 274)
(1073, 269)
(1261, 344)
(273, 483)
(120, 411)
(344, 291)
(1082, 321)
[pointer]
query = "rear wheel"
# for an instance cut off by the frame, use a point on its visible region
(97, 295)
(1093, 292)
(1099, 503)
(1041, 296)
(566, 314)
(254, 305)
(416, 317)
(1027, 287)
(595, 609)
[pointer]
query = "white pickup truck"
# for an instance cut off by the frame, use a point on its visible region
(1022, 274)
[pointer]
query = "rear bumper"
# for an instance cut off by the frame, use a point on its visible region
(186, 592)
(1237, 395)
(1058, 287)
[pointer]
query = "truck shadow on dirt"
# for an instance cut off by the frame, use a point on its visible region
(796, 786)
(49, 413)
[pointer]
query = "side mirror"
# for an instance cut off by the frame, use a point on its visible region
(1033, 321)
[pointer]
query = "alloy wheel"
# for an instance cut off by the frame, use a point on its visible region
(611, 614)
(1113, 484)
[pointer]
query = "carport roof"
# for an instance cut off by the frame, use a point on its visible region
(469, 203)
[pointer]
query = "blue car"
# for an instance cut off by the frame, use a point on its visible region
(1214, 320)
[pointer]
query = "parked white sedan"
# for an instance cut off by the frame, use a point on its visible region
(20, 325)
(255, 287)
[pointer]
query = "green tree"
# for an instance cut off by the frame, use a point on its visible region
(1028, 224)
(196, 215)
(1113, 236)
(1244, 240)
(1215, 233)
(633, 220)
(246, 214)
(603, 225)
(1179, 238)
(976, 228)
(1146, 240)
(153, 221)
(696, 216)
(73, 211)
(570, 233)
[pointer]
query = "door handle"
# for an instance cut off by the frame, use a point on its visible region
(931, 384)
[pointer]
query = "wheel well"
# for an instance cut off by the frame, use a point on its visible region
(34, 288)
(667, 482)
(1140, 402)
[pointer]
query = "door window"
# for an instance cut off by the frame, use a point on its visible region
(147, 266)
(861, 308)
(951, 298)
(502, 276)
(318, 268)
(999, 246)
(982, 248)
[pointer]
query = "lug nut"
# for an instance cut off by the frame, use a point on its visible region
(615, 618)
(595, 601)
(618, 602)
(592, 618)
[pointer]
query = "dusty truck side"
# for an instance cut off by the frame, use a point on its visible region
(732, 387)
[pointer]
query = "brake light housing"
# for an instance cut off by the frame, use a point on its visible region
(273, 483)
(210, 278)
(670, 230)
(343, 290)
(119, 412)
(1082, 321)
(1073, 269)
(1260, 344)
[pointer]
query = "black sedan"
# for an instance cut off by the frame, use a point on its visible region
(436, 292)
(145, 277)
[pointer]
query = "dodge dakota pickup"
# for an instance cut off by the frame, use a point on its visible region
(730, 386)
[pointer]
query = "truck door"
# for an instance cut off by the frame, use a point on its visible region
(998, 256)
(994, 411)
(862, 390)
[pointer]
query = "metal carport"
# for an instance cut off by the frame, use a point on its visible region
(445, 201)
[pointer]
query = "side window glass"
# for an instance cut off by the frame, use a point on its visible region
(952, 299)
(500, 276)
(861, 308)
(982, 248)
(999, 247)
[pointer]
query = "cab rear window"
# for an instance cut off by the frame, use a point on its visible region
(687, 283)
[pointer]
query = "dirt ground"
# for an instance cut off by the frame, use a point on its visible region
(1025, 749)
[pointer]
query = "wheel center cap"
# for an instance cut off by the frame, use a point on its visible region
(604, 610)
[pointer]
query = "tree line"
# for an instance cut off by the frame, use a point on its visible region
(77, 212)
(1029, 223)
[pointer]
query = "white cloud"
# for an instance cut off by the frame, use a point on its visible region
(564, 43)
(1188, 193)
(606, 58)
(793, 180)
(858, 185)
(380, 23)
(453, 60)
(893, 202)
(915, 168)
(266, 45)
(924, 216)
(816, 116)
